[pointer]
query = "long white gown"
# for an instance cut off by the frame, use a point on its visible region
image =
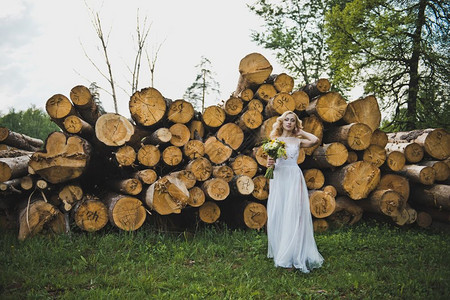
(289, 226)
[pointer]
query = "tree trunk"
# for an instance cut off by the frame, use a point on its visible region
(314, 125)
(197, 129)
(419, 174)
(364, 110)
(266, 128)
(344, 203)
(223, 171)
(387, 202)
(148, 107)
(246, 95)
(434, 196)
(146, 176)
(424, 219)
(283, 83)
(395, 161)
(322, 203)
(128, 186)
(70, 194)
(356, 136)
(180, 111)
(413, 151)
(85, 104)
(436, 142)
(329, 107)
(395, 182)
(58, 108)
(158, 137)
(254, 69)
(13, 167)
(75, 125)
(330, 155)
(441, 169)
(317, 88)
(251, 119)
(19, 140)
(379, 138)
(125, 212)
(90, 215)
(256, 105)
(187, 177)
(64, 158)
(355, 180)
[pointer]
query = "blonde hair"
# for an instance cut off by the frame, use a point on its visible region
(277, 128)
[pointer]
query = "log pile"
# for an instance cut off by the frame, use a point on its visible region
(170, 164)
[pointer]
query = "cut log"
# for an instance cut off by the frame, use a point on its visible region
(125, 212)
(157, 198)
(434, 196)
(356, 136)
(148, 107)
(241, 185)
(209, 212)
(314, 179)
(313, 125)
(251, 119)
(196, 197)
(279, 104)
(225, 172)
(146, 176)
(194, 149)
(407, 216)
(344, 203)
(216, 189)
(172, 156)
(265, 92)
(246, 95)
(39, 216)
(176, 189)
(395, 161)
(419, 174)
(180, 111)
(149, 155)
(435, 213)
(330, 190)
(213, 116)
(246, 214)
(231, 134)
(233, 106)
(64, 158)
(320, 225)
(424, 219)
(187, 177)
(329, 107)
(90, 215)
(113, 129)
(379, 138)
(180, 134)
(217, 151)
(301, 100)
(70, 194)
(58, 108)
(330, 155)
(266, 128)
(158, 137)
(128, 186)
(254, 69)
(201, 168)
(26, 183)
(197, 129)
(413, 151)
(441, 169)
(10, 187)
(436, 142)
(244, 165)
(18, 140)
(75, 125)
(84, 103)
(282, 82)
(355, 180)
(364, 110)
(125, 156)
(255, 104)
(13, 167)
(395, 182)
(322, 204)
(387, 202)
(261, 188)
(352, 157)
(317, 88)
(375, 154)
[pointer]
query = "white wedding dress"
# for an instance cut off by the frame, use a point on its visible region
(289, 226)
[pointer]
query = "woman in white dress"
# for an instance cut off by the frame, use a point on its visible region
(290, 231)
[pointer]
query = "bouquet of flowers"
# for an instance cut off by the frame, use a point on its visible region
(274, 149)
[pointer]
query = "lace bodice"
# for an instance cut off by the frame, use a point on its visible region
(292, 150)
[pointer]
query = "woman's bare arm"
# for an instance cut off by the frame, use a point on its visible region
(308, 139)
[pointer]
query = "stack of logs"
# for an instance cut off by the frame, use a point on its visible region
(171, 164)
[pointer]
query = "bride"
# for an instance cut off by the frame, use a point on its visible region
(290, 232)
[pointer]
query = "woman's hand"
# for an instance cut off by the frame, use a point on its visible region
(270, 161)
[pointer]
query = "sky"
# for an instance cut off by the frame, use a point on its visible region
(45, 46)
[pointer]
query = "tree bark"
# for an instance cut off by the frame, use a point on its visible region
(364, 110)
(254, 69)
(356, 136)
(413, 151)
(19, 140)
(85, 104)
(317, 88)
(13, 167)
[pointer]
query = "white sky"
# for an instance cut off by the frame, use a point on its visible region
(41, 52)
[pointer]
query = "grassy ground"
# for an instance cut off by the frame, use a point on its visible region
(368, 261)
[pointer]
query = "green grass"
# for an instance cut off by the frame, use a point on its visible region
(368, 261)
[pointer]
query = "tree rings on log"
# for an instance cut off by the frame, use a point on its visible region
(314, 179)
(254, 215)
(159, 136)
(75, 125)
(317, 88)
(364, 110)
(125, 212)
(70, 194)
(254, 69)
(209, 212)
(246, 95)
(196, 197)
(216, 189)
(225, 172)
(84, 102)
(58, 107)
(320, 225)
(379, 138)
(256, 105)
(250, 119)
(329, 107)
(149, 155)
(244, 165)
(330, 155)
(314, 125)
(187, 177)
(261, 188)
(231, 134)
(180, 111)
(441, 169)
(279, 104)
(180, 134)
(90, 215)
(395, 161)
(395, 182)
(217, 151)
(213, 116)
(233, 106)
(146, 176)
(413, 152)
(419, 174)
(301, 100)
(113, 129)
(172, 156)
(201, 168)
(194, 149)
(241, 185)
(375, 154)
(125, 156)
(283, 82)
(265, 92)
(356, 136)
(148, 106)
(322, 204)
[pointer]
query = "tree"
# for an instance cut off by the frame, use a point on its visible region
(399, 51)
(33, 122)
(294, 30)
(203, 85)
